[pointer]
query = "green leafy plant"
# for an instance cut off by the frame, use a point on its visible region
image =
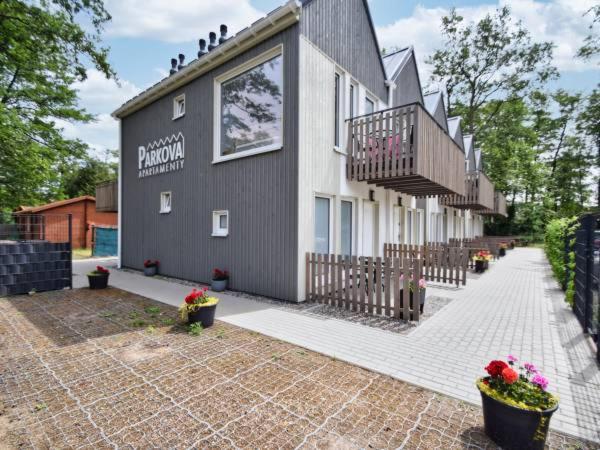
(152, 310)
(168, 321)
(138, 323)
(519, 386)
(559, 253)
(195, 329)
(134, 315)
(194, 301)
(41, 406)
(151, 329)
(221, 333)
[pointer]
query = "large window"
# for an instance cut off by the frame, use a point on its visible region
(346, 227)
(321, 225)
(369, 106)
(252, 109)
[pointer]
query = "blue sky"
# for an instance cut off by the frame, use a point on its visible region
(145, 34)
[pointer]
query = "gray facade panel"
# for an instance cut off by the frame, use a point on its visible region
(341, 29)
(408, 86)
(260, 192)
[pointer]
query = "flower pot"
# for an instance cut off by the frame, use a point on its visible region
(218, 285)
(515, 428)
(479, 266)
(204, 315)
(150, 271)
(502, 252)
(99, 281)
(512, 246)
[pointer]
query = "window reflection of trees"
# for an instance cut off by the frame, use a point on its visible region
(252, 108)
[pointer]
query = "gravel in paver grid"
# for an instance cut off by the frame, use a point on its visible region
(113, 384)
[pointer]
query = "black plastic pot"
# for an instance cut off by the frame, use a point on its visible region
(502, 251)
(99, 281)
(479, 266)
(150, 271)
(204, 315)
(515, 428)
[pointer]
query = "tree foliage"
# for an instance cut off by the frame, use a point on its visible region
(558, 232)
(81, 178)
(43, 50)
(538, 146)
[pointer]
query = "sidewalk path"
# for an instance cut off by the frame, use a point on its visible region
(514, 308)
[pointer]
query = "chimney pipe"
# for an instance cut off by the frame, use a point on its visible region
(202, 51)
(212, 36)
(223, 37)
(173, 66)
(181, 59)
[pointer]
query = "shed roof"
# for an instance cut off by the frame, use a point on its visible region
(47, 206)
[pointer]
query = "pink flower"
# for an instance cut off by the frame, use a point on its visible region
(511, 359)
(541, 381)
(422, 283)
(530, 368)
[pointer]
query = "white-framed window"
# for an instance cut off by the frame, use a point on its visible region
(249, 108)
(337, 88)
(347, 227)
(352, 96)
(178, 106)
(323, 224)
(369, 105)
(165, 202)
(220, 223)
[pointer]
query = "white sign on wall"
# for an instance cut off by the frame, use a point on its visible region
(162, 156)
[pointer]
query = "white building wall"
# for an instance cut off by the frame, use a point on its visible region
(322, 167)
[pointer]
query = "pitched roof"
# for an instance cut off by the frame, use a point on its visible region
(468, 139)
(47, 206)
(453, 125)
(394, 62)
(277, 20)
(431, 101)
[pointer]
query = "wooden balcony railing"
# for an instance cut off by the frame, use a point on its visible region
(479, 193)
(499, 208)
(404, 149)
(107, 197)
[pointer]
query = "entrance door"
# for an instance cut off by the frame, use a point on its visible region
(370, 229)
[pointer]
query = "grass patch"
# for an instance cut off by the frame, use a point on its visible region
(152, 310)
(134, 315)
(107, 314)
(168, 321)
(82, 253)
(138, 323)
(195, 329)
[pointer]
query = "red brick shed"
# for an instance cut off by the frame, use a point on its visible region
(83, 210)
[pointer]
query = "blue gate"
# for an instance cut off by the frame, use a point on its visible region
(105, 241)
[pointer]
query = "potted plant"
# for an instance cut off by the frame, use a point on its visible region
(420, 288)
(502, 249)
(482, 260)
(219, 280)
(516, 406)
(198, 307)
(98, 278)
(151, 267)
(512, 245)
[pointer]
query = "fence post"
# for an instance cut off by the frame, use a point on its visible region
(70, 221)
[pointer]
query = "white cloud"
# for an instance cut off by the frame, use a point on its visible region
(559, 21)
(101, 134)
(99, 95)
(178, 20)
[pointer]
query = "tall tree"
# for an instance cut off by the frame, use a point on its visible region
(588, 124)
(45, 46)
(82, 178)
(591, 44)
(493, 59)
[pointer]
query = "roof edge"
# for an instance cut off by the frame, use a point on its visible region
(274, 22)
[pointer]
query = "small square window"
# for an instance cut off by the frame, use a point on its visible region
(165, 202)
(178, 106)
(220, 223)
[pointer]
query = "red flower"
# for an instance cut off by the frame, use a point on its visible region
(101, 269)
(495, 368)
(509, 375)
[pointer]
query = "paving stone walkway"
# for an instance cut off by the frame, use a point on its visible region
(110, 369)
(515, 308)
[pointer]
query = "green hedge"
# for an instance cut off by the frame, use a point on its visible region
(557, 231)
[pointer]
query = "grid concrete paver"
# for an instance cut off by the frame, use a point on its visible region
(227, 388)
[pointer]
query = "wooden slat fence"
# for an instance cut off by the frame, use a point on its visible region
(441, 263)
(363, 284)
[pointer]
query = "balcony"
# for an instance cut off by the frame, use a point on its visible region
(479, 194)
(107, 197)
(499, 208)
(405, 150)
